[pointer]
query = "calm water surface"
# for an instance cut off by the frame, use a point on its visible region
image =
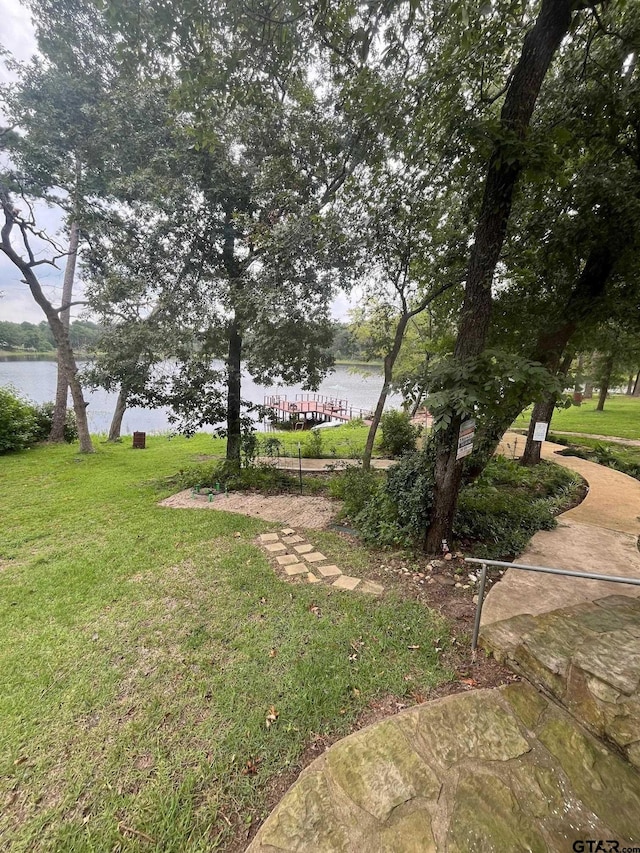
(36, 380)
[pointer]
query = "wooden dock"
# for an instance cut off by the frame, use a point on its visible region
(310, 409)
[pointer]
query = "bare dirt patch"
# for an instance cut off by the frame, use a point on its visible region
(311, 513)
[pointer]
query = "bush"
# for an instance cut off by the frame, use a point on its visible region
(313, 447)
(17, 422)
(497, 523)
(44, 416)
(496, 515)
(355, 487)
(399, 509)
(499, 513)
(399, 436)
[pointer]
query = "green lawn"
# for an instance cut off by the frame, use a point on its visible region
(142, 648)
(620, 418)
(341, 442)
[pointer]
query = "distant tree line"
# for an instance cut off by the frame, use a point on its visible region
(33, 337)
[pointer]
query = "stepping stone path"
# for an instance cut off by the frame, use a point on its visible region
(299, 558)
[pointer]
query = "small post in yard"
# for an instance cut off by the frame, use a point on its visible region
(139, 439)
(300, 465)
(476, 626)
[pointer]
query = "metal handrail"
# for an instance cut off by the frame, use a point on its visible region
(544, 569)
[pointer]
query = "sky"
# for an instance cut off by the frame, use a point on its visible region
(16, 302)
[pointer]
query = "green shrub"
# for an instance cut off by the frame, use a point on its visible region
(355, 487)
(399, 436)
(496, 523)
(312, 449)
(17, 422)
(378, 521)
(508, 503)
(496, 515)
(398, 511)
(44, 417)
(220, 477)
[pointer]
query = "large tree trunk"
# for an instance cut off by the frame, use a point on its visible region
(577, 386)
(539, 47)
(118, 414)
(606, 379)
(234, 353)
(636, 387)
(389, 361)
(234, 395)
(542, 412)
(60, 335)
(630, 384)
(59, 418)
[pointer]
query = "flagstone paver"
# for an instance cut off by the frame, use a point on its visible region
(346, 582)
(287, 560)
(490, 770)
(314, 557)
(268, 537)
(293, 554)
(328, 571)
(295, 569)
(371, 588)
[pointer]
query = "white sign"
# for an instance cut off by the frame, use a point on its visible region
(540, 431)
(465, 438)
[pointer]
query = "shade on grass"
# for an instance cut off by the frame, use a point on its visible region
(142, 648)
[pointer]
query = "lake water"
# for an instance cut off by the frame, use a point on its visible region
(36, 380)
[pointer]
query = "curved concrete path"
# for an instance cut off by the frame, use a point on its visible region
(599, 535)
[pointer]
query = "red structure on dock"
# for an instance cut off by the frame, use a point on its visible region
(310, 409)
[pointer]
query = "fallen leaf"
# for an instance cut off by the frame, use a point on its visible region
(413, 648)
(470, 682)
(251, 767)
(313, 608)
(272, 716)
(273, 653)
(20, 761)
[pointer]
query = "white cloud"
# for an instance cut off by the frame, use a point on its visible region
(16, 30)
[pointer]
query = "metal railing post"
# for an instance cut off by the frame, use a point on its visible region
(542, 569)
(476, 624)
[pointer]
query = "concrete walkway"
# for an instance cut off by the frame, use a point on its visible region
(313, 466)
(630, 442)
(599, 535)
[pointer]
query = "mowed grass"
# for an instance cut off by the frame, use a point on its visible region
(620, 418)
(340, 442)
(142, 649)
